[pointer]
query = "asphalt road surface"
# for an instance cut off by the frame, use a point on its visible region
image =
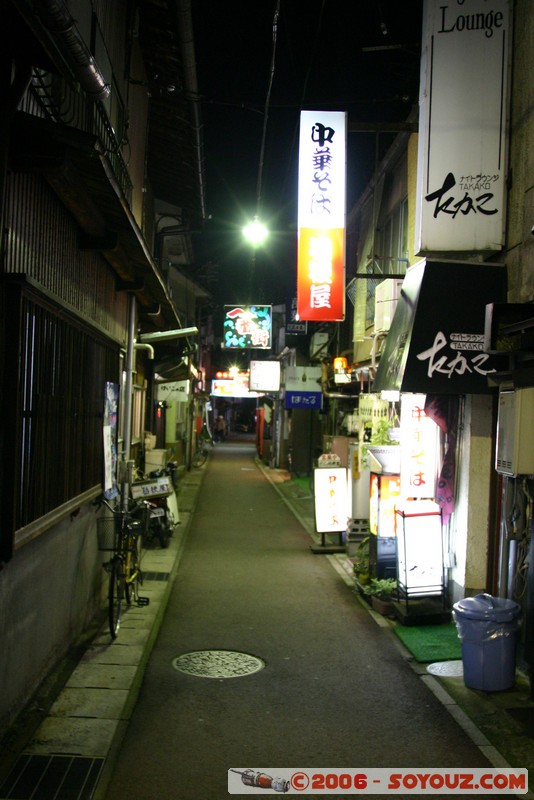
(333, 690)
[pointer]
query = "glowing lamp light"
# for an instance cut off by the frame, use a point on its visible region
(255, 232)
(340, 363)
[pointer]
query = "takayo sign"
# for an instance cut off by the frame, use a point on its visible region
(463, 126)
(321, 216)
(248, 327)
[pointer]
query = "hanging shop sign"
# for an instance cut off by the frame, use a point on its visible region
(264, 376)
(231, 387)
(248, 327)
(463, 118)
(321, 216)
(173, 391)
(331, 499)
(293, 324)
(312, 400)
(419, 449)
(303, 387)
(436, 341)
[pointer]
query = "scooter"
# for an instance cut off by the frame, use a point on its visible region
(151, 495)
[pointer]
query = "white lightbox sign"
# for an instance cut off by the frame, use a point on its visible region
(331, 499)
(264, 376)
(173, 390)
(463, 112)
(300, 379)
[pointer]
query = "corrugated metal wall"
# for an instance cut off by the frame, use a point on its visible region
(41, 242)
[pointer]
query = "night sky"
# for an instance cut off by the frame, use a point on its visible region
(359, 56)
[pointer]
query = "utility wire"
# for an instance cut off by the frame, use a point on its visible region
(305, 87)
(266, 109)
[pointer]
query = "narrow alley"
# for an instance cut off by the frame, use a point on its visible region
(333, 690)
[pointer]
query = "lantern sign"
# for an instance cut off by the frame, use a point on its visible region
(419, 449)
(321, 216)
(248, 327)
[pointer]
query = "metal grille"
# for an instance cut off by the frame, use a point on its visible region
(56, 369)
(51, 777)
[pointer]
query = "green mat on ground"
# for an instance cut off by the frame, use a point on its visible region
(428, 643)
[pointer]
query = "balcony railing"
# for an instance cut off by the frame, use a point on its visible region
(51, 97)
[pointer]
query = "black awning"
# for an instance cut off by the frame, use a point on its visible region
(436, 340)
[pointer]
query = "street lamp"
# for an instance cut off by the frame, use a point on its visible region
(255, 232)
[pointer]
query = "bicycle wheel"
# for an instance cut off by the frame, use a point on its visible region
(115, 596)
(200, 458)
(134, 577)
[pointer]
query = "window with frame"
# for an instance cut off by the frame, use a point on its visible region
(56, 368)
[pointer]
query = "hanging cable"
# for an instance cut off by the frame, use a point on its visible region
(266, 110)
(305, 89)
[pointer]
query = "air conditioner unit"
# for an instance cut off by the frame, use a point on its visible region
(386, 296)
(515, 432)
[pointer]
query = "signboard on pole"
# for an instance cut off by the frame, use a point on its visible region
(331, 499)
(321, 216)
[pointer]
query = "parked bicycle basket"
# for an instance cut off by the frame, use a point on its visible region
(107, 532)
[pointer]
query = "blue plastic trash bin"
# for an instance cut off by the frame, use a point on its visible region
(487, 627)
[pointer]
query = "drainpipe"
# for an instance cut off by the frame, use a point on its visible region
(145, 346)
(128, 392)
(61, 25)
(334, 395)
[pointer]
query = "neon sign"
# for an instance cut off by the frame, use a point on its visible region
(248, 327)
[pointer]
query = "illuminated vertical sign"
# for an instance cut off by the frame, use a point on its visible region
(321, 216)
(463, 122)
(419, 449)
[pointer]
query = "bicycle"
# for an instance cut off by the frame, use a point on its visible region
(121, 534)
(201, 454)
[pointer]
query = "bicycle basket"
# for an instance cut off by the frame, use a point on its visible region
(107, 533)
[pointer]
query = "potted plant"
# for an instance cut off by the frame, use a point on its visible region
(361, 563)
(381, 592)
(383, 444)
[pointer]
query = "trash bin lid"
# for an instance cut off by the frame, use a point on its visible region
(486, 607)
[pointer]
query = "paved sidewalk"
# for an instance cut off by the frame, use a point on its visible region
(85, 724)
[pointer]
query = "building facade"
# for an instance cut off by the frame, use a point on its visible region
(101, 153)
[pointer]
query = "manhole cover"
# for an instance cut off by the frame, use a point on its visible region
(446, 669)
(218, 664)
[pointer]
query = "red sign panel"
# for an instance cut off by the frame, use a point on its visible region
(321, 275)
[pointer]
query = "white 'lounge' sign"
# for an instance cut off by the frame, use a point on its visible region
(463, 126)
